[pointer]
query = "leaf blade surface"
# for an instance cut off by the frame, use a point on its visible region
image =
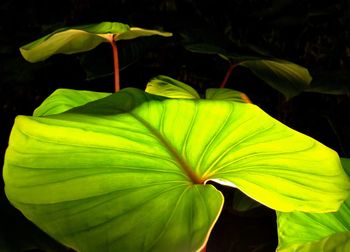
(122, 163)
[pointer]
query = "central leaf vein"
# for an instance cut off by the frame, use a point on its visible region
(174, 153)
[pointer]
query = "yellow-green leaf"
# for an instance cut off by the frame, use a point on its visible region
(77, 39)
(129, 172)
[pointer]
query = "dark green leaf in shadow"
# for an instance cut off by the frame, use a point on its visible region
(288, 78)
(331, 82)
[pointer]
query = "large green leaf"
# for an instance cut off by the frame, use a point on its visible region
(77, 39)
(286, 77)
(128, 172)
(308, 232)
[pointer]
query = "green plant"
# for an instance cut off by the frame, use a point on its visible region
(129, 171)
(84, 38)
(307, 232)
(288, 78)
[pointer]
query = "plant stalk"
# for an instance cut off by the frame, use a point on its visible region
(115, 62)
(227, 75)
(244, 97)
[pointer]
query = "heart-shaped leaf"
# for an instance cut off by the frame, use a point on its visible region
(308, 232)
(81, 39)
(128, 172)
(286, 77)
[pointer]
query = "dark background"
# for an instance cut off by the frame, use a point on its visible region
(314, 34)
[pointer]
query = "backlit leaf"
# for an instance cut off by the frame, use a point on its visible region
(128, 172)
(77, 39)
(171, 88)
(308, 232)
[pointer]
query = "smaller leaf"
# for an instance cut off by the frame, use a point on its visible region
(171, 88)
(64, 99)
(308, 232)
(77, 39)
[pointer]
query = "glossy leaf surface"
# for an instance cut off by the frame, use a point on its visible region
(309, 232)
(127, 172)
(77, 39)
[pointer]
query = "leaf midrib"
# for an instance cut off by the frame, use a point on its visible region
(173, 152)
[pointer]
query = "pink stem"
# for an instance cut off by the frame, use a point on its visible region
(227, 75)
(244, 97)
(116, 62)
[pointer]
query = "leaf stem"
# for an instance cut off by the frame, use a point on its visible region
(115, 62)
(227, 75)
